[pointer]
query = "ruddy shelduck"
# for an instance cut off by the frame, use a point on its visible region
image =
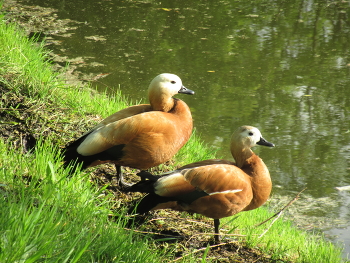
(140, 136)
(214, 188)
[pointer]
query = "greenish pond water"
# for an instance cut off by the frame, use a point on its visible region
(282, 66)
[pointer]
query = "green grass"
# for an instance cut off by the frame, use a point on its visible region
(21, 58)
(25, 68)
(281, 239)
(46, 218)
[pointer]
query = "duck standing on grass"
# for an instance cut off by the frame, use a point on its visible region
(140, 136)
(213, 188)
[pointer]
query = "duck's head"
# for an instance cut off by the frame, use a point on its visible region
(168, 85)
(248, 136)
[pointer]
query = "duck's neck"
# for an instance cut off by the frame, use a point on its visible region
(241, 155)
(162, 103)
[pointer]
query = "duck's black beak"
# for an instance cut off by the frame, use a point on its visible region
(265, 143)
(186, 90)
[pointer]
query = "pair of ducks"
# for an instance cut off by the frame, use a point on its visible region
(146, 135)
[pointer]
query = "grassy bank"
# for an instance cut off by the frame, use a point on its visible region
(46, 217)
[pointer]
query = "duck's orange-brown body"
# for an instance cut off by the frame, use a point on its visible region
(214, 188)
(149, 138)
(236, 189)
(141, 136)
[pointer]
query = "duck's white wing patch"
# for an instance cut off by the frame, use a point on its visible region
(94, 143)
(168, 184)
(227, 192)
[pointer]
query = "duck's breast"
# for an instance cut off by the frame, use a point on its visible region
(260, 181)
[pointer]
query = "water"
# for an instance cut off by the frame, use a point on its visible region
(282, 66)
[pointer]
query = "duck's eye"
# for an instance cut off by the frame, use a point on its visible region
(173, 82)
(250, 134)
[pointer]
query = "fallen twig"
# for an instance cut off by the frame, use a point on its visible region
(267, 229)
(279, 212)
(149, 232)
(180, 218)
(203, 248)
(11, 109)
(221, 235)
(8, 109)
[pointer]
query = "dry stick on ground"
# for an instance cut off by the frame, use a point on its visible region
(280, 212)
(222, 235)
(11, 109)
(267, 229)
(149, 232)
(179, 218)
(203, 248)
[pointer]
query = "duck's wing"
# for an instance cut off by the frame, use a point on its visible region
(215, 191)
(206, 162)
(143, 129)
(208, 178)
(122, 114)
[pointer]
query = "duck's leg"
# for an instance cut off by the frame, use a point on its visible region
(216, 227)
(120, 178)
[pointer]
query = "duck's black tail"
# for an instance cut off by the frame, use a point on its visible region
(144, 186)
(148, 202)
(73, 158)
(140, 210)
